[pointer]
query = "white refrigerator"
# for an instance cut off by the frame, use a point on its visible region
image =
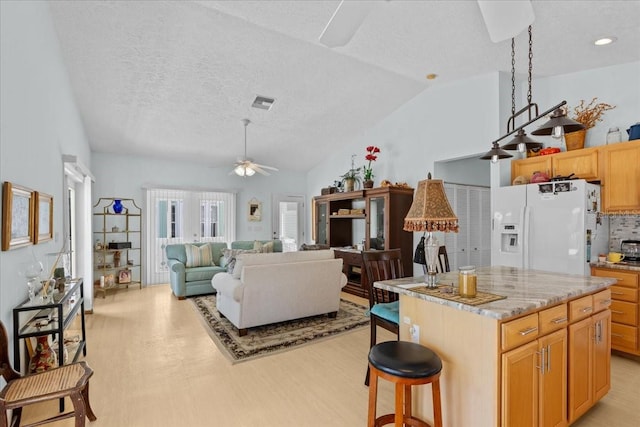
(551, 226)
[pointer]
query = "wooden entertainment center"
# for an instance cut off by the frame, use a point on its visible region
(372, 218)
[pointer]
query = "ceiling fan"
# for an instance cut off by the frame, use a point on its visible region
(245, 166)
(503, 19)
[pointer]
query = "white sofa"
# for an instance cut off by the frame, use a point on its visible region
(274, 287)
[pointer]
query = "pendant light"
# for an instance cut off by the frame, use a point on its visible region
(496, 153)
(521, 141)
(558, 125)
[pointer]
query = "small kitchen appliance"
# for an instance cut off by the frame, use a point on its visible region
(631, 250)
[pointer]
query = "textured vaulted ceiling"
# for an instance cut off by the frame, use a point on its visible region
(174, 79)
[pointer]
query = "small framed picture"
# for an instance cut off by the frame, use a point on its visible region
(44, 217)
(124, 276)
(255, 210)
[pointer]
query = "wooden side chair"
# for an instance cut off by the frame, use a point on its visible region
(66, 381)
(384, 306)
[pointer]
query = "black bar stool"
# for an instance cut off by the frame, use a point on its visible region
(405, 364)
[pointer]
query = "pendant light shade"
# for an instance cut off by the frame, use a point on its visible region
(558, 125)
(522, 143)
(495, 154)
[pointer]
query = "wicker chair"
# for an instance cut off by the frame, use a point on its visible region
(66, 381)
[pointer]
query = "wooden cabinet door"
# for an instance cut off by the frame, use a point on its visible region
(580, 368)
(527, 167)
(520, 386)
(621, 177)
(553, 380)
(582, 163)
(601, 354)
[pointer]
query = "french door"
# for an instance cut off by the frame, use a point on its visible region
(183, 216)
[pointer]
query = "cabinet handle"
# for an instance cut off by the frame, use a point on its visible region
(528, 330)
(617, 335)
(605, 301)
(617, 312)
(587, 309)
(616, 293)
(559, 320)
(541, 367)
(549, 358)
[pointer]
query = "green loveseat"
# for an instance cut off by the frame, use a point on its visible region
(194, 280)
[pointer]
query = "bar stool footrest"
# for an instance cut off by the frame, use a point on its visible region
(410, 421)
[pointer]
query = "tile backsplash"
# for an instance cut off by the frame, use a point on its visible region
(623, 228)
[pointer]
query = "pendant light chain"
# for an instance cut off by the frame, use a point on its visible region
(530, 64)
(513, 76)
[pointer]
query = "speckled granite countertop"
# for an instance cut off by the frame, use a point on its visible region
(526, 290)
(617, 266)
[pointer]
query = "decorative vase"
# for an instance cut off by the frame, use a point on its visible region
(117, 206)
(368, 183)
(44, 358)
(575, 140)
(349, 184)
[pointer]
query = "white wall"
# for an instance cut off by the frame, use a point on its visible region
(126, 176)
(40, 122)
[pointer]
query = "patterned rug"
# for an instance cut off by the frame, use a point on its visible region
(277, 337)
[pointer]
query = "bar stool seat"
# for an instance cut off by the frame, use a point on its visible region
(405, 364)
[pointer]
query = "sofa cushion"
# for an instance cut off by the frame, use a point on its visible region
(197, 274)
(229, 257)
(247, 258)
(248, 244)
(176, 251)
(198, 256)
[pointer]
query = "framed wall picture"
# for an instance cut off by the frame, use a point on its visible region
(255, 210)
(44, 217)
(17, 216)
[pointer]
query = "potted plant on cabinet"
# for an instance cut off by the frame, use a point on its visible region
(372, 150)
(588, 115)
(352, 177)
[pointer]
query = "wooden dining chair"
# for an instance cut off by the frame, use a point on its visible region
(383, 305)
(66, 381)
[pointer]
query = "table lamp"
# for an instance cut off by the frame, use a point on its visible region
(429, 212)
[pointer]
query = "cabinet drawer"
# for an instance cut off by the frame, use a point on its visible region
(580, 308)
(353, 258)
(519, 331)
(620, 293)
(601, 300)
(553, 318)
(624, 279)
(624, 312)
(624, 337)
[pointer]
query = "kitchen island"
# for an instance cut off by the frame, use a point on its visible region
(492, 353)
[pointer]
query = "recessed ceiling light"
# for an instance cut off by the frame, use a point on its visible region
(604, 41)
(431, 76)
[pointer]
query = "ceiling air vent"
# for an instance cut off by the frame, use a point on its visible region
(263, 102)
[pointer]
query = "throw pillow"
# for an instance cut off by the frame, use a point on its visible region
(198, 256)
(230, 257)
(263, 248)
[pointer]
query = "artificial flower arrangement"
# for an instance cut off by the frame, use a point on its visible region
(591, 113)
(372, 150)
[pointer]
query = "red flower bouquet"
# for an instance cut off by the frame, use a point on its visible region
(371, 157)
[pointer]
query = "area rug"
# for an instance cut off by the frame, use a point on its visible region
(277, 337)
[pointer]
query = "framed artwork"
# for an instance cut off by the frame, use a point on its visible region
(255, 210)
(44, 217)
(109, 280)
(18, 205)
(124, 276)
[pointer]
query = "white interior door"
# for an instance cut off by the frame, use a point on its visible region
(288, 221)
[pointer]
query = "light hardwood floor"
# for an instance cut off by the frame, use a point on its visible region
(155, 365)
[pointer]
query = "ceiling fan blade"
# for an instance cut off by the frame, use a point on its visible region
(258, 169)
(266, 167)
(344, 23)
(506, 19)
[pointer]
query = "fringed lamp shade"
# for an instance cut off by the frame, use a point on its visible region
(430, 210)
